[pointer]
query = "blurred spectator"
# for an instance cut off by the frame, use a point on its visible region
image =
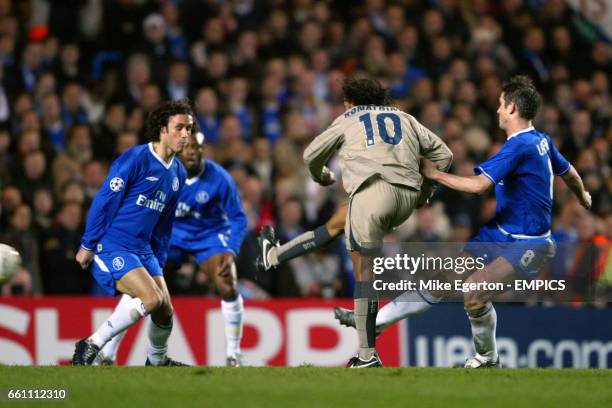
(105, 139)
(6, 158)
(177, 85)
(67, 166)
(207, 114)
(73, 112)
(61, 274)
(52, 122)
(94, 173)
(35, 174)
(156, 45)
(43, 207)
(237, 93)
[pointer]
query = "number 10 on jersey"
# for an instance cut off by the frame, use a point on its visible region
(382, 128)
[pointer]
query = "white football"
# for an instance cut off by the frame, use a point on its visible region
(10, 262)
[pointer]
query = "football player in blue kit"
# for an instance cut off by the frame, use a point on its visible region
(517, 242)
(210, 225)
(128, 229)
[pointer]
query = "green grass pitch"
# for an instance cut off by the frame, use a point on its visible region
(115, 387)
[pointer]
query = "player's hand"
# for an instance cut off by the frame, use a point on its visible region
(327, 177)
(428, 169)
(585, 200)
(225, 265)
(84, 257)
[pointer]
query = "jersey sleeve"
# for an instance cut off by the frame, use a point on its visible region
(108, 199)
(560, 164)
(319, 151)
(502, 164)
(235, 213)
(432, 147)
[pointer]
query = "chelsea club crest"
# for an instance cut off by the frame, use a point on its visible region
(201, 197)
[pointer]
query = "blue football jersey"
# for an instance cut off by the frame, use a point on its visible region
(209, 205)
(134, 209)
(523, 172)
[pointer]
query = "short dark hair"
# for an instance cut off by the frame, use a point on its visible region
(521, 90)
(365, 91)
(161, 115)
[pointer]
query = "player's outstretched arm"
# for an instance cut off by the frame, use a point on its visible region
(574, 182)
(473, 184)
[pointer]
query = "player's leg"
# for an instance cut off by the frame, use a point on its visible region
(407, 304)
(482, 315)
(221, 269)
(373, 211)
(415, 302)
(366, 308)
(146, 298)
(365, 304)
(160, 328)
(108, 354)
(273, 255)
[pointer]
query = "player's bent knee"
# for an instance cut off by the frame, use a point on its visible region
(472, 305)
(153, 300)
(167, 311)
(228, 291)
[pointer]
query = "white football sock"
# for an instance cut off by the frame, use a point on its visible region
(232, 316)
(126, 314)
(484, 323)
(109, 351)
(405, 305)
(158, 342)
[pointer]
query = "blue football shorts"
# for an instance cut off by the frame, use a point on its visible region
(109, 267)
(202, 248)
(528, 255)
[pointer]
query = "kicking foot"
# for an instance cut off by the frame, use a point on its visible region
(266, 240)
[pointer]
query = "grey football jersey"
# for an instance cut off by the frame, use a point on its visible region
(377, 140)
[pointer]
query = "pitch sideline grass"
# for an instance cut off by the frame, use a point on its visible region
(115, 387)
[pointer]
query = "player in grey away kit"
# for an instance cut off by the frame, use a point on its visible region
(380, 148)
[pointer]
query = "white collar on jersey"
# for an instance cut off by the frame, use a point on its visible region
(195, 178)
(154, 153)
(529, 129)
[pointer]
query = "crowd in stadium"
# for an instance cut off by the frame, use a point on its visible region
(78, 79)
